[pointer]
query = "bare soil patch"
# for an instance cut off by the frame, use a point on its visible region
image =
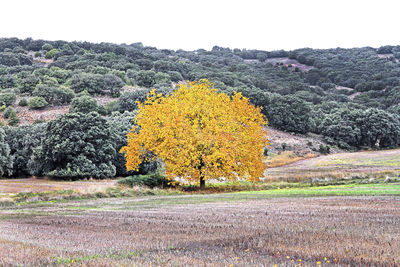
(300, 144)
(291, 63)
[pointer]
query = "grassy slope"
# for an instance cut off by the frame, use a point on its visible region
(340, 165)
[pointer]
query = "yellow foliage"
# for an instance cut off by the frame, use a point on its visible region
(199, 134)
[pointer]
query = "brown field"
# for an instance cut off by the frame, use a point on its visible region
(12, 186)
(208, 230)
(341, 165)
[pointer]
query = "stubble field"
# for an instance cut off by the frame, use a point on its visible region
(240, 229)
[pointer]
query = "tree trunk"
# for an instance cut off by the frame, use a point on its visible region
(202, 182)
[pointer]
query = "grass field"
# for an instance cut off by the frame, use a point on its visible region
(359, 225)
(340, 165)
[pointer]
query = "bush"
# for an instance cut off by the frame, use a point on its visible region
(93, 83)
(84, 104)
(146, 78)
(47, 47)
(265, 151)
(23, 102)
(127, 101)
(151, 180)
(37, 102)
(7, 99)
(284, 145)
(52, 53)
(9, 112)
(113, 84)
(54, 94)
(14, 120)
(324, 149)
(175, 76)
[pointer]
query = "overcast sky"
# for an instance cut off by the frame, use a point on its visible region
(190, 25)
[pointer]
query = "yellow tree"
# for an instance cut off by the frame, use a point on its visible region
(199, 134)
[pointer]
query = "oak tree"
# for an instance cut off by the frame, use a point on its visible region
(199, 134)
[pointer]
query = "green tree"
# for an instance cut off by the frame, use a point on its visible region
(84, 104)
(79, 146)
(113, 84)
(146, 78)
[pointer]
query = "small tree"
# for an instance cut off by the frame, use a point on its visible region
(200, 134)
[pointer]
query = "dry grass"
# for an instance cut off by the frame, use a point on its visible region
(40, 185)
(355, 231)
(367, 164)
(285, 158)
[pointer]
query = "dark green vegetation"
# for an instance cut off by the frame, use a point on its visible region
(349, 96)
(150, 180)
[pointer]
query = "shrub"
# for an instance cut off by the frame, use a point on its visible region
(14, 120)
(62, 95)
(111, 107)
(37, 102)
(54, 94)
(127, 101)
(8, 112)
(284, 146)
(51, 53)
(84, 104)
(93, 83)
(23, 102)
(47, 47)
(265, 151)
(146, 78)
(324, 149)
(113, 84)
(38, 54)
(151, 180)
(7, 99)
(175, 76)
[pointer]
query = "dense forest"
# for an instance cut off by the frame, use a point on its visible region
(349, 96)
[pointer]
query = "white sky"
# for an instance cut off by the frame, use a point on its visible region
(190, 25)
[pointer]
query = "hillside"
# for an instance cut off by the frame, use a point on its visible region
(315, 100)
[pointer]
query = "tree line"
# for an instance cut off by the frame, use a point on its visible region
(40, 74)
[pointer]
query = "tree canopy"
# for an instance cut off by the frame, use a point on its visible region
(199, 134)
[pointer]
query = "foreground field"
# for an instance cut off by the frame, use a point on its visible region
(239, 229)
